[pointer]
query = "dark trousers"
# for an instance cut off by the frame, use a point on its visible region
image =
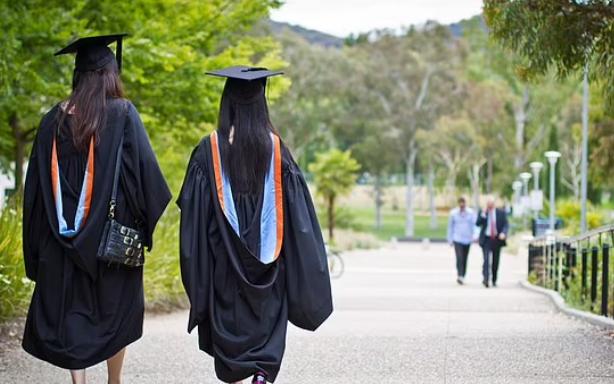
(462, 254)
(491, 248)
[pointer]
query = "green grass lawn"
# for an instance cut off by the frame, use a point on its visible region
(393, 224)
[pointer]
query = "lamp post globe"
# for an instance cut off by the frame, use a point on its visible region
(536, 167)
(525, 177)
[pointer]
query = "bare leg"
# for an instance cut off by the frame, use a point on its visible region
(114, 367)
(78, 376)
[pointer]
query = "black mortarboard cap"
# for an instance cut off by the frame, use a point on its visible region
(93, 52)
(242, 72)
(240, 84)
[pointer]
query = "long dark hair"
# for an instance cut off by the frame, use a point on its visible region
(88, 101)
(244, 107)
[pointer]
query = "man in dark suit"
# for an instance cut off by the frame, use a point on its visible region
(493, 233)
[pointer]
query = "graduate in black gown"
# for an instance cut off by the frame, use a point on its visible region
(83, 311)
(252, 254)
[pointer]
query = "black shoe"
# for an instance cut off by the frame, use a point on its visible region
(460, 281)
(485, 283)
(494, 285)
(259, 378)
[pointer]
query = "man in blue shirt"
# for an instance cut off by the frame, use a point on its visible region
(461, 229)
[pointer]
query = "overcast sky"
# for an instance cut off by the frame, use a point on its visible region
(342, 17)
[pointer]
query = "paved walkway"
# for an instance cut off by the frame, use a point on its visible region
(400, 318)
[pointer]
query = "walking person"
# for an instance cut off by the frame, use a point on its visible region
(92, 174)
(493, 234)
(461, 229)
(252, 253)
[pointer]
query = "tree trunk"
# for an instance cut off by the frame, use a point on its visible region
(19, 152)
(431, 189)
(451, 186)
(331, 218)
(489, 176)
(378, 202)
(409, 192)
(474, 179)
(520, 117)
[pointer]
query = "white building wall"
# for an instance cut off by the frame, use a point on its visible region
(6, 183)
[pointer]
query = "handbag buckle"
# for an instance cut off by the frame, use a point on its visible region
(129, 252)
(123, 230)
(128, 240)
(112, 209)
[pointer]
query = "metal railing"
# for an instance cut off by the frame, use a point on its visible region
(578, 267)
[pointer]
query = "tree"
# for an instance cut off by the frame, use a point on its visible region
(365, 124)
(412, 84)
(565, 136)
(485, 106)
(566, 35)
(31, 81)
(170, 46)
(375, 152)
(562, 34)
(602, 142)
(308, 113)
(451, 143)
(334, 176)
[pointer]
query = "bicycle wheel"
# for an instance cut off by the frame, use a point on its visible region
(336, 266)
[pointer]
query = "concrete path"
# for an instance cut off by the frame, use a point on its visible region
(400, 318)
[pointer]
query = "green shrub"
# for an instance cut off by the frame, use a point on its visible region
(162, 277)
(345, 218)
(570, 210)
(15, 288)
(335, 174)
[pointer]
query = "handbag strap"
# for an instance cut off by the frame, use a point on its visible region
(118, 161)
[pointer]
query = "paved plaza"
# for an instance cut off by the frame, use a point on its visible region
(400, 317)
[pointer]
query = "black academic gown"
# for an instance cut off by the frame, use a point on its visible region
(82, 311)
(240, 305)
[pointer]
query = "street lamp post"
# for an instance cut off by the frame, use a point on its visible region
(536, 167)
(526, 202)
(552, 157)
(536, 198)
(517, 188)
(525, 177)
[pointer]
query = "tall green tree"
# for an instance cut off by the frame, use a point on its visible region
(413, 82)
(565, 35)
(334, 176)
(602, 142)
(170, 46)
(309, 112)
(366, 125)
(30, 80)
(562, 34)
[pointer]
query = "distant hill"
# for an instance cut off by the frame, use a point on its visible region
(324, 39)
(312, 36)
(457, 29)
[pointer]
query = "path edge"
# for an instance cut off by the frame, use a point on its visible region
(560, 305)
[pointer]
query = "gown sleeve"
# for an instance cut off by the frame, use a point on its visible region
(32, 215)
(307, 279)
(195, 204)
(147, 191)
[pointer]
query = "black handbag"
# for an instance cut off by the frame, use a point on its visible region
(120, 244)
